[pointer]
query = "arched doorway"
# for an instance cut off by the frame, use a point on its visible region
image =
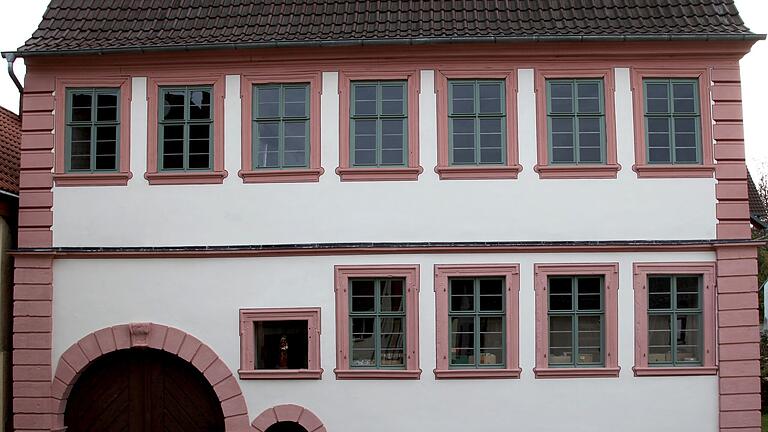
(286, 426)
(142, 390)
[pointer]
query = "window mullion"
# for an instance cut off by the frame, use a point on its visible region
(281, 126)
(185, 144)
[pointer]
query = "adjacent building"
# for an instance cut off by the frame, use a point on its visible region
(343, 215)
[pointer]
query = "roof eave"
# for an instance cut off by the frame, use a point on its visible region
(737, 37)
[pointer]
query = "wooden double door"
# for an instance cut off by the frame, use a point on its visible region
(142, 390)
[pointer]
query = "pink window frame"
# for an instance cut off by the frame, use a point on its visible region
(289, 175)
(248, 341)
(511, 274)
(611, 166)
(215, 176)
(610, 273)
(645, 170)
(641, 271)
(476, 172)
(123, 174)
(342, 275)
(410, 172)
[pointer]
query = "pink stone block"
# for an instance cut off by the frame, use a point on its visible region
(157, 336)
(173, 340)
(90, 347)
(217, 372)
(189, 348)
(227, 388)
(288, 412)
(106, 340)
(234, 406)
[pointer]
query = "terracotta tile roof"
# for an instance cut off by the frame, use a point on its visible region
(72, 26)
(10, 146)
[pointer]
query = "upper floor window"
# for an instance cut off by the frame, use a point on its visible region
(576, 121)
(672, 121)
(674, 320)
(477, 122)
(92, 130)
(281, 131)
(379, 123)
(185, 128)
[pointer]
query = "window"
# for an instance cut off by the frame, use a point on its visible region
(477, 321)
(377, 319)
(185, 141)
(379, 125)
(91, 143)
(185, 128)
(674, 313)
(93, 130)
(672, 120)
(377, 322)
(280, 126)
(576, 317)
(576, 320)
(576, 121)
(280, 343)
(477, 118)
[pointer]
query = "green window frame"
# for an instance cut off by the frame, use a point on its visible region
(477, 322)
(576, 121)
(185, 128)
(575, 316)
(675, 309)
(280, 126)
(377, 323)
(672, 110)
(92, 132)
(378, 127)
(477, 122)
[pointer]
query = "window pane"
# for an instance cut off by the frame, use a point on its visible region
(560, 294)
(364, 100)
(392, 99)
(173, 161)
(588, 96)
(392, 291)
(295, 101)
(81, 106)
(363, 295)
(561, 97)
(659, 293)
(80, 163)
(363, 342)
(462, 340)
(684, 99)
(560, 340)
(463, 98)
(688, 338)
(199, 161)
(490, 97)
(392, 141)
(268, 102)
(589, 289)
(173, 104)
(491, 295)
(462, 295)
(657, 97)
(590, 339)
(200, 104)
(106, 107)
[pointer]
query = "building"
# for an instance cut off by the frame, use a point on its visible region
(10, 143)
(342, 216)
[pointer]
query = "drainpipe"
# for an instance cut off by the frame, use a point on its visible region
(11, 57)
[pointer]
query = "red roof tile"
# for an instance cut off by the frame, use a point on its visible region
(10, 146)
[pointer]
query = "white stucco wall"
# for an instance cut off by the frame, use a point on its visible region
(202, 297)
(428, 210)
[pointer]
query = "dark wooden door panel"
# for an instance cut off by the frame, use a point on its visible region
(142, 391)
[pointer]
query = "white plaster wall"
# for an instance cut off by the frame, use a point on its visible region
(428, 210)
(202, 297)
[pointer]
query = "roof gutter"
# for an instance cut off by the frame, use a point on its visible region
(392, 41)
(11, 57)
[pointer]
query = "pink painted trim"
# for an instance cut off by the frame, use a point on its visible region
(610, 273)
(472, 71)
(218, 173)
(511, 274)
(154, 336)
(342, 275)
(119, 178)
(288, 413)
(248, 340)
(280, 76)
(575, 171)
(641, 167)
(410, 172)
(641, 271)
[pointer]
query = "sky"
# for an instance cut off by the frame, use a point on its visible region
(26, 15)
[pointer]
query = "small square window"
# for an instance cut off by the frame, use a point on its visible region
(280, 343)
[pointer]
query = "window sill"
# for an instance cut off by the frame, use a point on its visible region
(273, 374)
(674, 371)
(674, 171)
(377, 374)
(299, 175)
(186, 178)
(478, 172)
(379, 174)
(476, 373)
(577, 171)
(96, 179)
(609, 372)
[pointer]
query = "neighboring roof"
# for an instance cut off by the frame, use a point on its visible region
(86, 26)
(757, 210)
(10, 147)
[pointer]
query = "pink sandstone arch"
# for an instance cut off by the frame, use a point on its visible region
(148, 335)
(292, 413)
